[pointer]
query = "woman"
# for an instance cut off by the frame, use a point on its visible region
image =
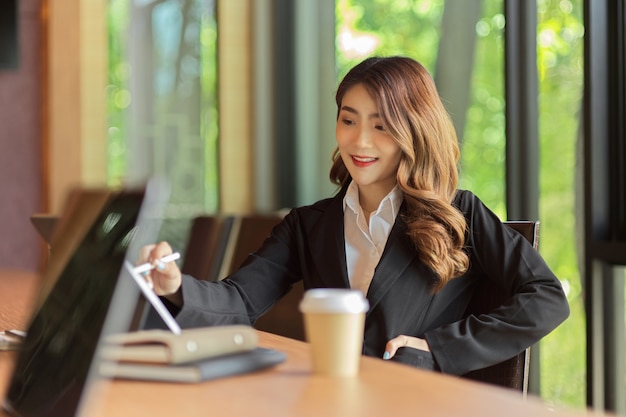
(399, 231)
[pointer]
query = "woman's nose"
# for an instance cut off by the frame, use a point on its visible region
(363, 138)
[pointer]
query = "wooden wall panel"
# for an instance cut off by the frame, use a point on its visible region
(20, 146)
(76, 101)
(235, 96)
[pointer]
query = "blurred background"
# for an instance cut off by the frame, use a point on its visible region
(233, 102)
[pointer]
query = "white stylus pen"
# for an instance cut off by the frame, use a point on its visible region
(140, 269)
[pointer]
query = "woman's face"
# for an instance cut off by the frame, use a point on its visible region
(366, 147)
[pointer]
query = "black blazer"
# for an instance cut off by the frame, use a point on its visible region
(309, 245)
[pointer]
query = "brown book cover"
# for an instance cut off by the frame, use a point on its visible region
(158, 346)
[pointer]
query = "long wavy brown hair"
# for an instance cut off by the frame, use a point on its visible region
(414, 115)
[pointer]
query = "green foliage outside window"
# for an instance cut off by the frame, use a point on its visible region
(117, 91)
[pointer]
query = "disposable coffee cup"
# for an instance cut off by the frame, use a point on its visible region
(334, 320)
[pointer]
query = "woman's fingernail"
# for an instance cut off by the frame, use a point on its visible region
(160, 266)
(145, 273)
(386, 355)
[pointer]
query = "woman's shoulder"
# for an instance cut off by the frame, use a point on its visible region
(471, 205)
(316, 209)
(465, 199)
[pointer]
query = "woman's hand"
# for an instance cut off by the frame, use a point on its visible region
(404, 341)
(165, 278)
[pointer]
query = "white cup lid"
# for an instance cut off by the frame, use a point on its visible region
(334, 300)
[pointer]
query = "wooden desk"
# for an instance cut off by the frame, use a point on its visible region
(17, 293)
(290, 389)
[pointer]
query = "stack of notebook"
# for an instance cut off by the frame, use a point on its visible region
(193, 355)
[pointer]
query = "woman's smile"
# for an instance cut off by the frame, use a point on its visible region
(363, 161)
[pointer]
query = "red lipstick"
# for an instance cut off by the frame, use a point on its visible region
(363, 161)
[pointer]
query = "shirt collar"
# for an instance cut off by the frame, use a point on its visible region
(351, 199)
(389, 204)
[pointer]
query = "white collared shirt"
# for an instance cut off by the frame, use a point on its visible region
(365, 245)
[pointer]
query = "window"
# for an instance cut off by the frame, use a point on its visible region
(162, 101)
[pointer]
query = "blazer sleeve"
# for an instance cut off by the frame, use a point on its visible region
(241, 298)
(535, 306)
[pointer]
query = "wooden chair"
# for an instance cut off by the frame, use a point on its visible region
(206, 246)
(284, 318)
(248, 233)
(217, 246)
(512, 373)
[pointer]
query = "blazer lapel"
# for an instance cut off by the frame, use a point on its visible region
(327, 242)
(397, 256)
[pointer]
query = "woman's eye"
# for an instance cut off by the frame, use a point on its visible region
(380, 127)
(347, 122)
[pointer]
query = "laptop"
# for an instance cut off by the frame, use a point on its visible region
(86, 294)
